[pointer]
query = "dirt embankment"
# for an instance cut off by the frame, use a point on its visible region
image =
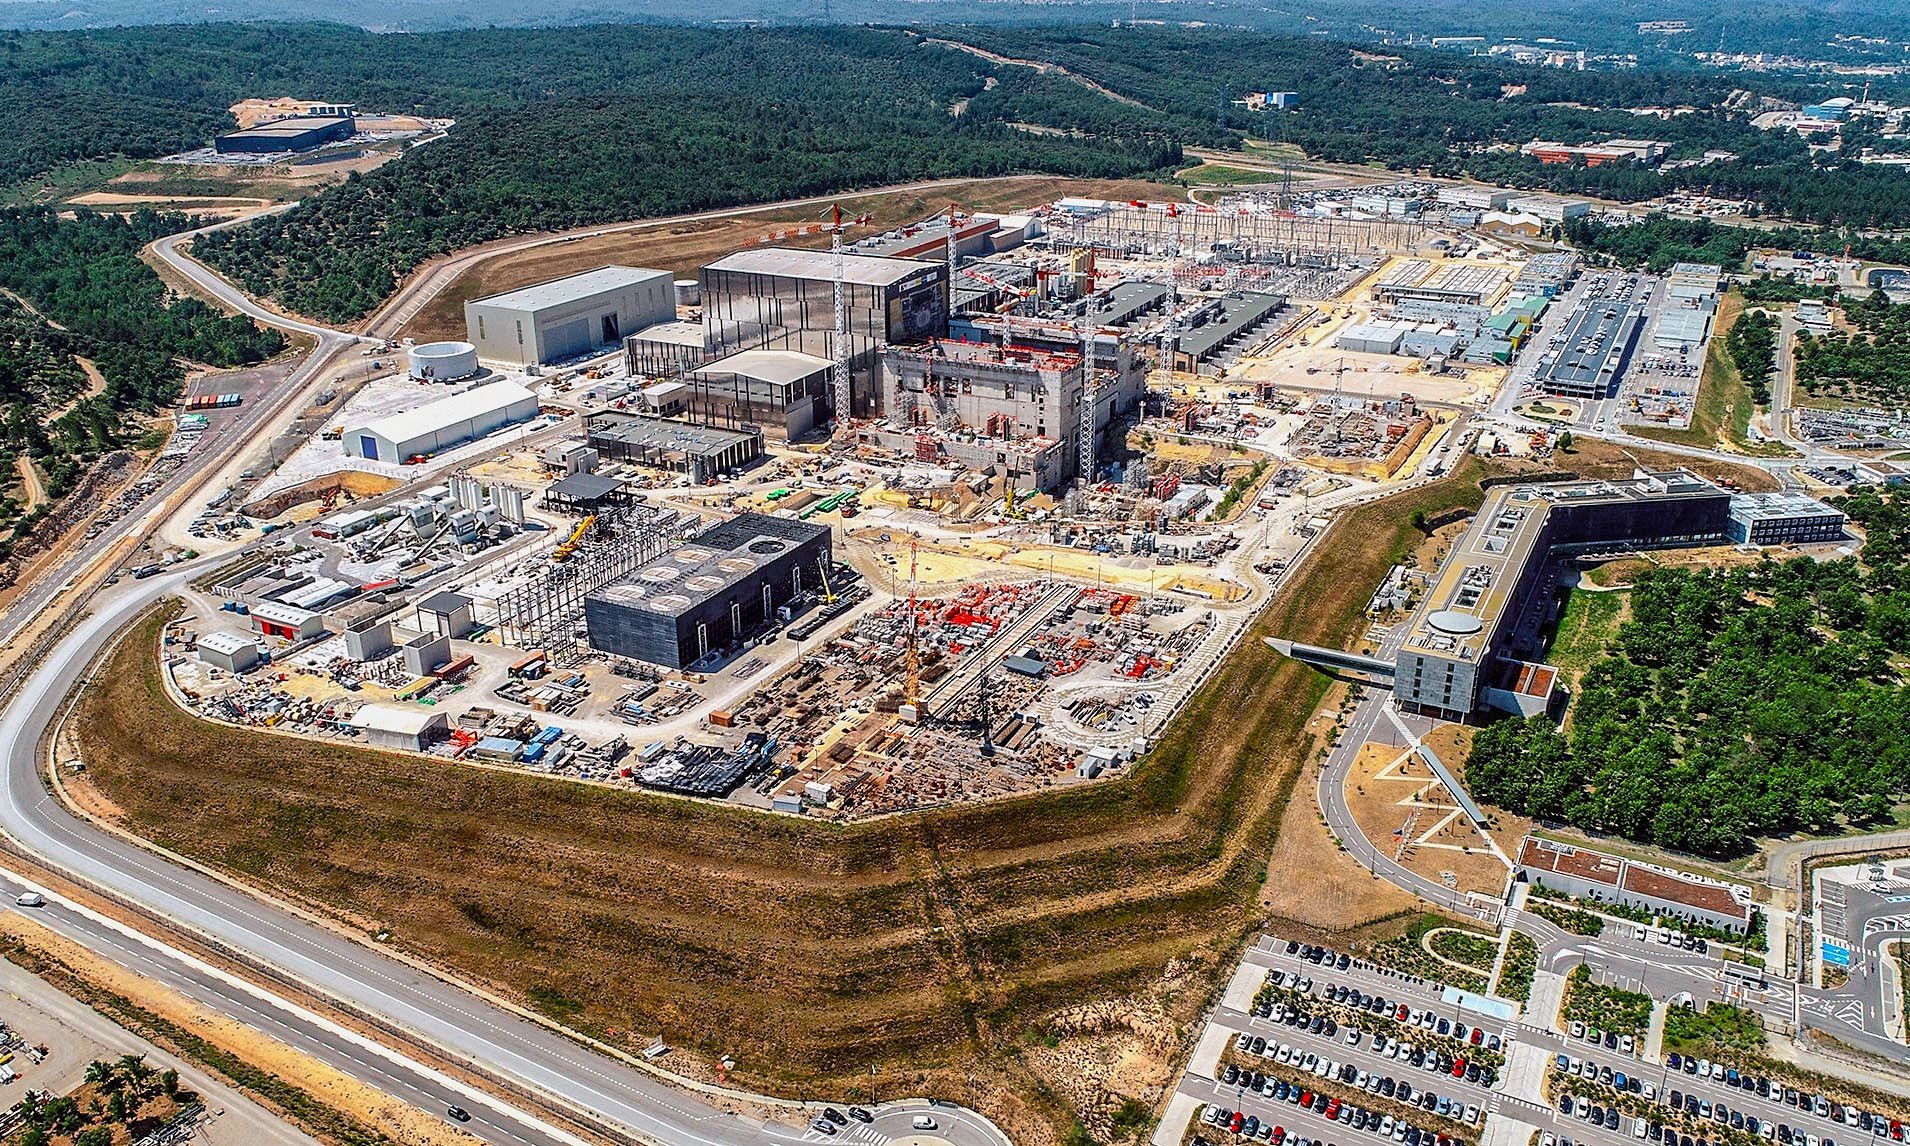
(948, 949)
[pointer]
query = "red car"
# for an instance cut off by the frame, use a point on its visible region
(1459, 1068)
(1306, 1098)
(1478, 1036)
(1237, 1121)
(1279, 1136)
(1401, 1013)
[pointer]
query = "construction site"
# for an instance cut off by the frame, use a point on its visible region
(956, 511)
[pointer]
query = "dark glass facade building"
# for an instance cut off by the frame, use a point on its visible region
(715, 591)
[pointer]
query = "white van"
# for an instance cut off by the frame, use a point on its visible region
(924, 1122)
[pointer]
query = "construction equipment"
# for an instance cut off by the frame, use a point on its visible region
(828, 593)
(912, 681)
(839, 375)
(569, 545)
(1090, 392)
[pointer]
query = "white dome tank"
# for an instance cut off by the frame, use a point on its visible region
(443, 361)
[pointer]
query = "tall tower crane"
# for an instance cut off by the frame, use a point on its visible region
(912, 690)
(839, 376)
(1090, 393)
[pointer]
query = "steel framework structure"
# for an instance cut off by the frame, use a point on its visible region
(544, 611)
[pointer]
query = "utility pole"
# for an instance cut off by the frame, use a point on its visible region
(1090, 390)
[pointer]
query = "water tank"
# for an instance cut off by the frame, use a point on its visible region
(443, 361)
(689, 292)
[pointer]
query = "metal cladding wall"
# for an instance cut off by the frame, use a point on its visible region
(788, 557)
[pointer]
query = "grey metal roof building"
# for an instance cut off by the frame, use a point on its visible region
(701, 452)
(1237, 315)
(711, 594)
(569, 316)
(1598, 343)
(294, 133)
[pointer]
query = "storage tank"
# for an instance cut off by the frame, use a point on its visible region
(443, 361)
(689, 292)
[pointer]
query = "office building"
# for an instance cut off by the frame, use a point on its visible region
(571, 316)
(716, 591)
(1479, 625)
(1783, 519)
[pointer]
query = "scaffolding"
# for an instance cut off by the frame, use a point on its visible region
(1278, 238)
(545, 610)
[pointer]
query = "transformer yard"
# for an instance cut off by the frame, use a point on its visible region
(958, 511)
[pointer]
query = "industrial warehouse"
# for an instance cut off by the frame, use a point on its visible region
(645, 542)
(710, 595)
(556, 320)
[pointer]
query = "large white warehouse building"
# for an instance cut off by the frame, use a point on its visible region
(569, 316)
(442, 424)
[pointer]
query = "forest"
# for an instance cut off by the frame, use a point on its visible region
(698, 127)
(1871, 363)
(1752, 345)
(1446, 114)
(88, 296)
(1732, 704)
(1658, 241)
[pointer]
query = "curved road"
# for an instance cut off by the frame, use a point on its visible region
(459, 1023)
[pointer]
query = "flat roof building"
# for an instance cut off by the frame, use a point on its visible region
(391, 726)
(698, 452)
(1783, 519)
(293, 133)
(783, 391)
(1224, 323)
(711, 594)
(1673, 895)
(566, 317)
(1492, 595)
(1012, 410)
(441, 425)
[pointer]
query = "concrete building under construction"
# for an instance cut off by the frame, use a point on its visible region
(1013, 406)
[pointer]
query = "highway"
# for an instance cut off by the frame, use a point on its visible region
(449, 1018)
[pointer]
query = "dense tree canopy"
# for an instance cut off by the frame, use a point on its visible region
(1732, 704)
(92, 298)
(1871, 362)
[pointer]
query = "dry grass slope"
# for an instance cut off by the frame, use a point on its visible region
(928, 943)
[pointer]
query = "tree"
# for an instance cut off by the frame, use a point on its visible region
(1565, 441)
(97, 1136)
(1421, 522)
(169, 1083)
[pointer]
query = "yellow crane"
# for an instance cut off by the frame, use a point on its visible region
(569, 546)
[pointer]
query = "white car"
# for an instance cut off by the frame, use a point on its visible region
(31, 899)
(1472, 1114)
(1637, 1128)
(1578, 1029)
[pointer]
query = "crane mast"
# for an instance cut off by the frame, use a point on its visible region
(839, 377)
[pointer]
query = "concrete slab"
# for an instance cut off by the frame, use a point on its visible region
(1525, 1067)
(1243, 987)
(1548, 993)
(1206, 1056)
(1173, 1125)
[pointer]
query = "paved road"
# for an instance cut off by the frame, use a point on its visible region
(449, 1017)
